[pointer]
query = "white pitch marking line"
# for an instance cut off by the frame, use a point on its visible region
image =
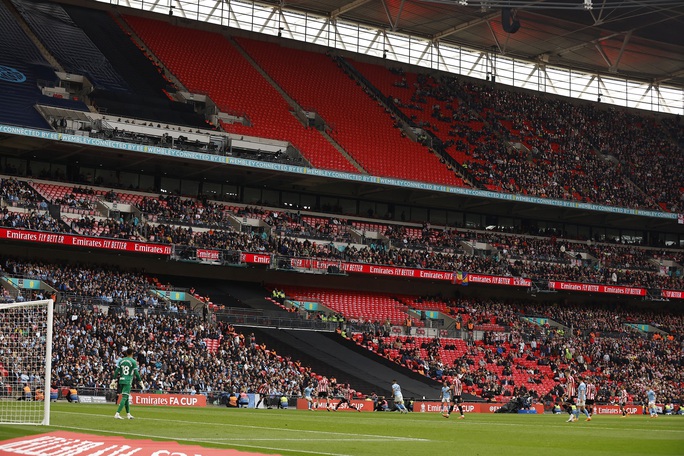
(587, 427)
(296, 440)
(298, 431)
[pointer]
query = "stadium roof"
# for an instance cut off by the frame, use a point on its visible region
(641, 39)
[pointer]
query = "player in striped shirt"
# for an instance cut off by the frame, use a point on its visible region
(623, 398)
(322, 391)
(263, 391)
(456, 392)
(346, 393)
(570, 385)
(591, 396)
(570, 392)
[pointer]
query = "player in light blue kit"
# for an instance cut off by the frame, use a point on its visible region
(651, 395)
(445, 396)
(582, 399)
(308, 395)
(398, 397)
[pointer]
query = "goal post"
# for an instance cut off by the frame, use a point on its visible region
(26, 362)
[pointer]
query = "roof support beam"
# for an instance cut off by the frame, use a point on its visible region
(496, 40)
(389, 16)
(346, 8)
(604, 55)
(614, 68)
(669, 76)
(599, 20)
(561, 52)
(587, 43)
(458, 28)
(461, 27)
(396, 21)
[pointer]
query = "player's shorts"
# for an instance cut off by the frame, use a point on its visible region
(125, 389)
(308, 398)
(581, 403)
(446, 400)
(458, 400)
(591, 401)
(651, 404)
(323, 394)
(398, 399)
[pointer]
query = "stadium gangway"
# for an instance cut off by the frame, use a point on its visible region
(270, 321)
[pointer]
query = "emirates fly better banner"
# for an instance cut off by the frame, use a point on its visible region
(321, 265)
(84, 241)
(597, 288)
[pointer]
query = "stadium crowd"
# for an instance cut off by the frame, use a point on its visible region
(18, 194)
(106, 286)
(515, 142)
(172, 353)
(175, 355)
(599, 343)
(186, 211)
(34, 220)
(526, 143)
(199, 224)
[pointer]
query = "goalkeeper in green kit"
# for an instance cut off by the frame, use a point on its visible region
(126, 370)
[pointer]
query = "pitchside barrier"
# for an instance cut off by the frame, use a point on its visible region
(364, 406)
(471, 407)
(468, 407)
(200, 400)
(421, 406)
(172, 400)
(615, 410)
(490, 407)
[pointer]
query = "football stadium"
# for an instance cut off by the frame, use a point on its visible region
(341, 227)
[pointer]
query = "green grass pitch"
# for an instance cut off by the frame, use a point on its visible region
(299, 432)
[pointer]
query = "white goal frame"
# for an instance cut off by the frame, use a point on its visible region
(12, 404)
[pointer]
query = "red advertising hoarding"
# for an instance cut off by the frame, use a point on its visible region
(364, 406)
(315, 264)
(208, 255)
(615, 410)
(84, 241)
(468, 407)
(255, 258)
(169, 400)
(396, 271)
(673, 294)
(596, 288)
(498, 280)
(71, 443)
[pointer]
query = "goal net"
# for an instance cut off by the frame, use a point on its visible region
(25, 362)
